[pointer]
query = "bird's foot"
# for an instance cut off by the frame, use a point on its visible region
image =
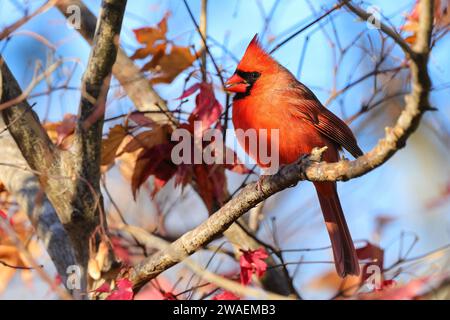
(259, 183)
(302, 158)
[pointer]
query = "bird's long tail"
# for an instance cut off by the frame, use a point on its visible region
(344, 253)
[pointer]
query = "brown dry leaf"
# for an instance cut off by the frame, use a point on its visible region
(102, 254)
(111, 144)
(169, 66)
(93, 269)
(147, 139)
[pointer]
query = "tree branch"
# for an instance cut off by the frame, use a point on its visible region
(83, 159)
(393, 34)
(308, 168)
(24, 125)
(25, 188)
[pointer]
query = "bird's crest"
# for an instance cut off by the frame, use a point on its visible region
(256, 58)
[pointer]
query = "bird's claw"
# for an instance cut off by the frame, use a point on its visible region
(259, 183)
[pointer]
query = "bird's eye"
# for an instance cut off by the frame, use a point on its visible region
(254, 75)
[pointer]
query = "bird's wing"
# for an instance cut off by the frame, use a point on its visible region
(336, 129)
(309, 109)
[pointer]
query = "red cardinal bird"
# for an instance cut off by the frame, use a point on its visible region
(269, 97)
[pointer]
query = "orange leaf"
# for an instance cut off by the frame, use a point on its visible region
(61, 133)
(147, 139)
(112, 143)
(93, 269)
(149, 36)
(331, 281)
(169, 66)
(102, 254)
(10, 255)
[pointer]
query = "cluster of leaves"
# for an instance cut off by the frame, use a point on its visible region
(251, 263)
(167, 60)
(152, 148)
(122, 289)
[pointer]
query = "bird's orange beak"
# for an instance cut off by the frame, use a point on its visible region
(236, 84)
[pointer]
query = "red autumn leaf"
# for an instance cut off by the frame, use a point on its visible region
(387, 284)
(226, 295)
(123, 291)
(210, 180)
(373, 253)
(207, 108)
(155, 161)
(169, 296)
(218, 180)
(205, 185)
(189, 91)
(3, 214)
(157, 290)
(252, 262)
(104, 288)
(120, 251)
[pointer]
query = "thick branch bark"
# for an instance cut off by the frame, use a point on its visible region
(86, 152)
(308, 168)
(24, 186)
(24, 126)
(71, 178)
